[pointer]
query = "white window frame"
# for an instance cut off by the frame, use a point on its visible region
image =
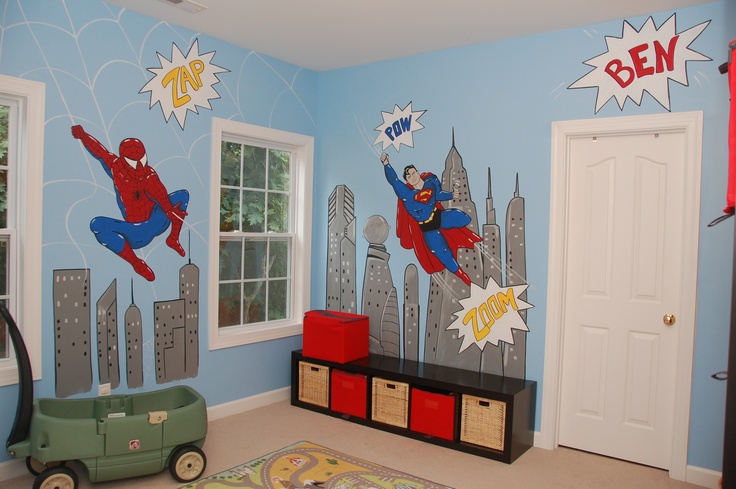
(27, 205)
(303, 148)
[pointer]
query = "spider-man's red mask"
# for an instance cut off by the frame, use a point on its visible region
(134, 153)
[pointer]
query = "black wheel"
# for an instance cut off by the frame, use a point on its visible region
(56, 478)
(187, 463)
(35, 467)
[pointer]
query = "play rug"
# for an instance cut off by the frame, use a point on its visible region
(305, 465)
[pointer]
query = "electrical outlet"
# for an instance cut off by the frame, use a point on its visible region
(104, 389)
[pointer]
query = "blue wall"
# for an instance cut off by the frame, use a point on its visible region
(500, 98)
(93, 59)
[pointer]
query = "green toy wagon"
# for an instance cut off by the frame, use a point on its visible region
(114, 437)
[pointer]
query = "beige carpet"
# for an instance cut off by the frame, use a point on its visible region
(232, 441)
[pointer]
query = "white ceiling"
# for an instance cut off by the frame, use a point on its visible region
(330, 34)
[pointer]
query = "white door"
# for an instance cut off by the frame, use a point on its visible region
(623, 275)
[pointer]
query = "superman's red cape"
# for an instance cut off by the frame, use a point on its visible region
(411, 237)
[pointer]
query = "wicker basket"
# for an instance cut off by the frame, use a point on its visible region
(483, 422)
(314, 384)
(390, 402)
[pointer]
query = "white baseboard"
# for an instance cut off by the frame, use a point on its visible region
(703, 477)
(16, 468)
(248, 403)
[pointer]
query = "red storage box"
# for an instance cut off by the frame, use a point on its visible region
(432, 413)
(349, 393)
(335, 336)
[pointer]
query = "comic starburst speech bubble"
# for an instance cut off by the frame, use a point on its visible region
(184, 83)
(642, 61)
(398, 127)
(489, 315)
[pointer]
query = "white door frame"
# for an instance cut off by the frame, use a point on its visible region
(691, 123)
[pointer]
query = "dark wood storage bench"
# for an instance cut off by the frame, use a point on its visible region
(477, 413)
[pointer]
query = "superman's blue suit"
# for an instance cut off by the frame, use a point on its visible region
(424, 225)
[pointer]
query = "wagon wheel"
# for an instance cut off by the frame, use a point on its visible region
(35, 467)
(187, 463)
(56, 478)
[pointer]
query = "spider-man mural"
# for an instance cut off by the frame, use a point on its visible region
(147, 207)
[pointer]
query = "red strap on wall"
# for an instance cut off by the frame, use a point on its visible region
(731, 192)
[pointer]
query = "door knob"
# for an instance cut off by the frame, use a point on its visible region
(669, 319)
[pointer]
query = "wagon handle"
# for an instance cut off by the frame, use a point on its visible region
(23, 412)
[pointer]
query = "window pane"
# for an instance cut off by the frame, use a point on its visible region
(279, 170)
(230, 259)
(4, 257)
(280, 258)
(254, 302)
(4, 125)
(259, 209)
(229, 305)
(230, 164)
(3, 338)
(229, 210)
(254, 215)
(278, 299)
(3, 198)
(256, 259)
(278, 212)
(254, 170)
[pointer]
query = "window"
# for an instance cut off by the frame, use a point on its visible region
(260, 219)
(21, 185)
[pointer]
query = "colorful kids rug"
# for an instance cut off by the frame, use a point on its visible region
(305, 465)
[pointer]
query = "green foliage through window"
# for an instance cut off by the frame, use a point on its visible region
(255, 244)
(4, 142)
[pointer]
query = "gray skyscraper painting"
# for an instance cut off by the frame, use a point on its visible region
(492, 356)
(445, 298)
(380, 302)
(134, 345)
(176, 325)
(189, 293)
(176, 333)
(108, 355)
(515, 355)
(483, 264)
(411, 313)
(72, 328)
(341, 289)
(169, 327)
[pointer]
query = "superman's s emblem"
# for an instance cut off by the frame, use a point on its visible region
(423, 195)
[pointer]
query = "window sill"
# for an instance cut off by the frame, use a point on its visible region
(244, 335)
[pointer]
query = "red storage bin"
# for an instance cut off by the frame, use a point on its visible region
(335, 336)
(432, 413)
(349, 393)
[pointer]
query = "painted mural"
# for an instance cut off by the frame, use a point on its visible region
(184, 83)
(119, 74)
(640, 61)
(147, 208)
(474, 317)
(148, 211)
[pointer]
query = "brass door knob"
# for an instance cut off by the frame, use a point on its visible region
(669, 319)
